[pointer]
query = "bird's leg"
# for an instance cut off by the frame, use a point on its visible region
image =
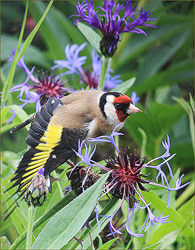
(70, 164)
(56, 179)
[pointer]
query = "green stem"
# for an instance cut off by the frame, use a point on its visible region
(10, 76)
(30, 222)
(59, 187)
(104, 68)
(117, 143)
(128, 245)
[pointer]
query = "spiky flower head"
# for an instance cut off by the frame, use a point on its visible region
(48, 86)
(77, 176)
(45, 86)
(36, 192)
(126, 174)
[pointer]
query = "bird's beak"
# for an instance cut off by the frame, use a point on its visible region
(133, 109)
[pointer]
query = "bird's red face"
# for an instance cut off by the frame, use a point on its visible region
(121, 105)
(117, 107)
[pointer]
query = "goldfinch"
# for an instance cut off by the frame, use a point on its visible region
(56, 129)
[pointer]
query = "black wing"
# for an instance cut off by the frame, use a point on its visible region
(51, 145)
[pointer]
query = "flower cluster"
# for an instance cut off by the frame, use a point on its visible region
(90, 75)
(126, 180)
(44, 86)
(110, 22)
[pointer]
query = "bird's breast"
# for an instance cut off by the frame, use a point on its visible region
(98, 127)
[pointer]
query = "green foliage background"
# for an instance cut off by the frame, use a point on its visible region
(163, 64)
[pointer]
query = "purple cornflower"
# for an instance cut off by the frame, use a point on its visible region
(90, 75)
(45, 86)
(134, 97)
(111, 24)
(110, 138)
(126, 181)
(74, 62)
(48, 86)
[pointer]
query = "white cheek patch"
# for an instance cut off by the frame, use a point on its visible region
(111, 115)
(110, 99)
(110, 111)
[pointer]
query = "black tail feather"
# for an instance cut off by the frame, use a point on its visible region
(18, 127)
(6, 213)
(7, 216)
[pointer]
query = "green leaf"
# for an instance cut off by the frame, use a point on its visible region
(5, 244)
(17, 216)
(177, 221)
(179, 72)
(125, 86)
(53, 35)
(192, 102)
(139, 43)
(155, 59)
(189, 191)
(108, 244)
(155, 124)
(189, 110)
(187, 209)
(10, 76)
(93, 37)
(4, 112)
(108, 210)
(41, 220)
(20, 113)
(160, 205)
(168, 239)
(70, 219)
(144, 142)
(67, 26)
(33, 55)
(34, 31)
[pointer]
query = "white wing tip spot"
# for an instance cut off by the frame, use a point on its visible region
(54, 156)
(53, 101)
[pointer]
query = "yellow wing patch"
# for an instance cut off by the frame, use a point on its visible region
(51, 138)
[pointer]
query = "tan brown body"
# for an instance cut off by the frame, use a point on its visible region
(81, 110)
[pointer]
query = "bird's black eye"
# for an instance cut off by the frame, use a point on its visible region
(119, 106)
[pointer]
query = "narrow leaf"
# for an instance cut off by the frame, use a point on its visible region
(108, 244)
(5, 244)
(176, 220)
(10, 76)
(110, 208)
(53, 35)
(188, 192)
(93, 37)
(125, 86)
(33, 33)
(4, 112)
(20, 113)
(144, 142)
(68, 221)
(188, 109)
(192, 102)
